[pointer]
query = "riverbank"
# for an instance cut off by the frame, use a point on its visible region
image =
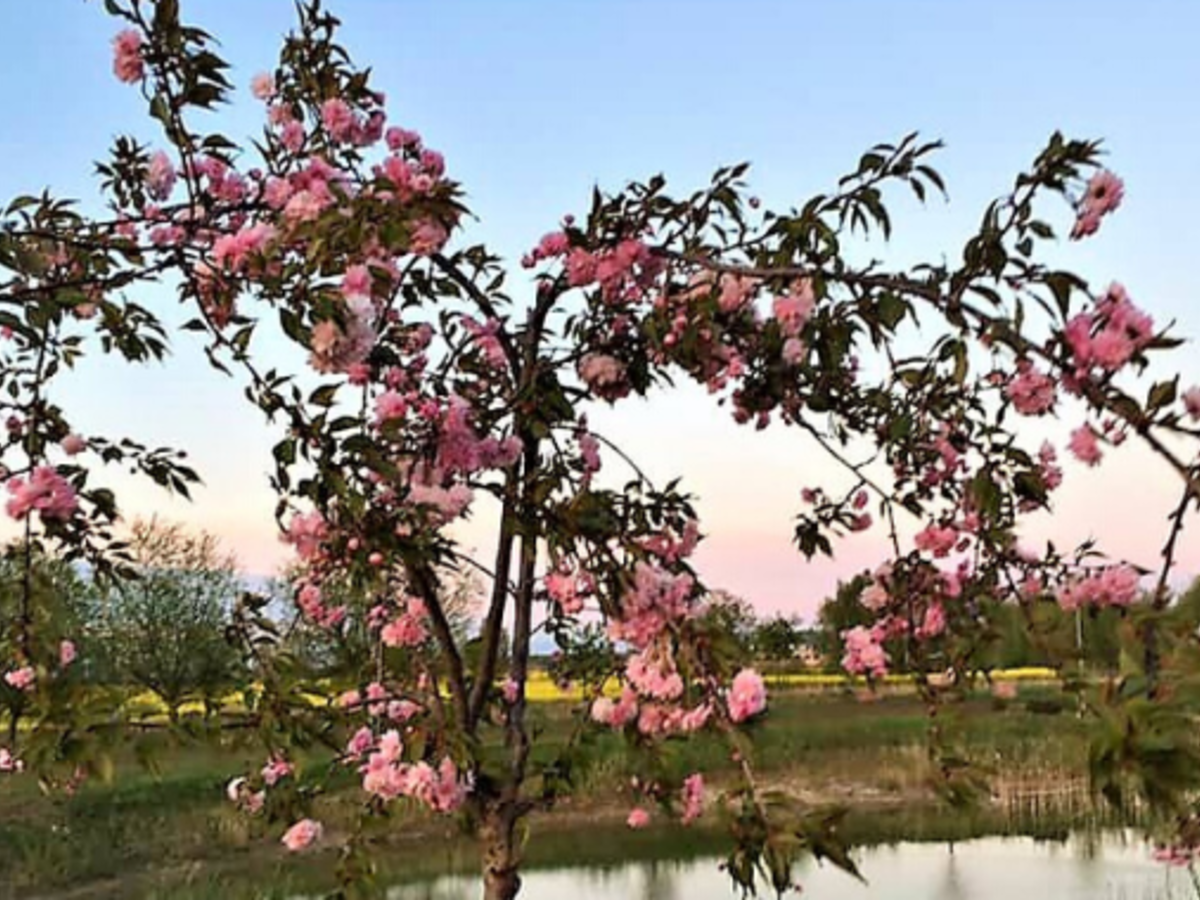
(175, 836)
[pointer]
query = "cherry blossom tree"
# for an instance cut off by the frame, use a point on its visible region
(424, 390)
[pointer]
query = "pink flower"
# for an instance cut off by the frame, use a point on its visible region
(1031, 392)
(794, 351)
(1191, 402)
(406, 630)
(275, 770)
(292, 137)
(66, 653)
(337, 349)
(398, 139)
(338, 119)
(45, 491)
(356, 282)
(693, 798)
(428, 238)
(390, 405)
(864, 653)
(8, 762)
(604, 375)
(747, 695)
(638, 818)
(402, 710)
(1084, 445)
(934, 622)
(793, 310)
(1103, 195)
(937, 540)
(377, 694)
(262, 86)
(1114, 586)
(362, 741)
(306, 532)
(127, 56)
(73, 445)
(1104, 192)
(20, 679)
(510, 691)
(302, 834)
(160, 176)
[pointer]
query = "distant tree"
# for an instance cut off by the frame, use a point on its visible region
(165, 630)
(734, 617)
(54, 615)
(777, 638)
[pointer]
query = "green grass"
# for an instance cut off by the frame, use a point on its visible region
(174, 835)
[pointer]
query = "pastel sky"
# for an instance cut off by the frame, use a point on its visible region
(534, 101)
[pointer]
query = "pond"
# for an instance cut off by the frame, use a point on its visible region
(1112, 867)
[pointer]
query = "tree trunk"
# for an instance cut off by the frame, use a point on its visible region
(500, 879)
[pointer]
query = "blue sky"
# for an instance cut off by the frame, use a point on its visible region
(534, 102)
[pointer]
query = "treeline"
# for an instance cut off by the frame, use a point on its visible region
(166, 629)
(1014, 635)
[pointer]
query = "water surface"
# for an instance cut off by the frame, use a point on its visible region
(1115, 867)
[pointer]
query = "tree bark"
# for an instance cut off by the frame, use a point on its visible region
(500, 878)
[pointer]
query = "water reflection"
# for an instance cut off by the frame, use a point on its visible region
(1115, 867)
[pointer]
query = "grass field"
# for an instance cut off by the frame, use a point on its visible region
(146, 836)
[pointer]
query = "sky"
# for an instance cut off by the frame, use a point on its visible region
(533, 102)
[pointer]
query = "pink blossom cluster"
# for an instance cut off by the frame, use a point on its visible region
(692, 797)
(671, 549)
(485, 337)
(302, 834)
(551, 246)
(1191, 403)
(747, 696)
(1108, 336)
(938, 540)
(652, 673)
(310, 602)
(45, 491)
(307, 532)
(656, 599)
(409, 628)
(10, 763)
(653, 719)
(378, 701)
(1112, 586)
(933, 623)
(128, 64)
(638, 818)
(461, 450)
(792, 312)
(160, 176)
(1103, 195)
(569, 589)
(338, 347)
(21, 679)
(864, 653)
(1031, 392)
(623, 273)
(386, 775)
(1085, 445)
(604, 375)
(276, 769)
